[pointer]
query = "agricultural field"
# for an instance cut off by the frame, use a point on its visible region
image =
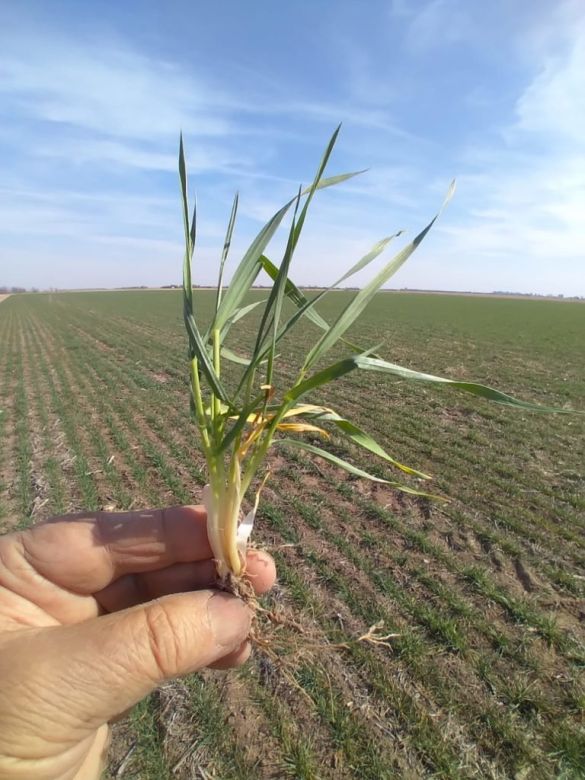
(486, 594)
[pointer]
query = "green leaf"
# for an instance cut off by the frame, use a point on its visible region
(373, 364)
(247, 270)
(300, 300)
(360, 437)
(363, 297)
(197, 347)
(193, 231)
(332, 181)
(189, 233)
(226, 248)
(367, 363)
(313, 188)
(238, 314)
(272, 309)
(262, 354)
(293, 293)
(250, 266)
(377, 249)
(198, 350)
(303, 445)
(274, 305)
(323, 377)
(326, 375)
(308, 306)
(228, 354)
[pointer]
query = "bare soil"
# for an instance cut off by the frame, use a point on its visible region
(478, 683)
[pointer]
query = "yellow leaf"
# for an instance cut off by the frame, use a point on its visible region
(298, 410)
(302, 428)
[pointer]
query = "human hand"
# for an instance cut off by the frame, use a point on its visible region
(96, 610)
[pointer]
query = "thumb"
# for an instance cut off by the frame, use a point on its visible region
(94, 670)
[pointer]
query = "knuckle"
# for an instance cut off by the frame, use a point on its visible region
(164, 640)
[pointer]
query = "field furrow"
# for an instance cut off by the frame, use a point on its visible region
(484, 594)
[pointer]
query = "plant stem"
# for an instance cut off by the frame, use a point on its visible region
(262, 446)
(223, 501)
(216, 404)
(196, 388)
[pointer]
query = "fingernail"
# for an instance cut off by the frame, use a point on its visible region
(230, 619)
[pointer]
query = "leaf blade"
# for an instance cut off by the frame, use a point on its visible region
(348, 316)
(474, 388)
(361, 438)
(249, 267)
(233, 357)
(238, 314)
(197, 349)
(309, 304)
(225, 251)
(189, 232)
(323, 377)
(349, 467)
(247, 270)
(333, 181)
(271, 311)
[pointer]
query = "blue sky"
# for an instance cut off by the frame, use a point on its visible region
(93, 95)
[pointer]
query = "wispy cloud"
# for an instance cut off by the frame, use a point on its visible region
(553, 105)
(525, 196)
(435, 24)
(106, 87)
(426, 90)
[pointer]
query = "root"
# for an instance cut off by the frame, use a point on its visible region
(375, 636)
(286, 659)
(240, 587)
(272, 636)
(243, 589)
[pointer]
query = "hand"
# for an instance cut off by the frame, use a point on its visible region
(95, 612)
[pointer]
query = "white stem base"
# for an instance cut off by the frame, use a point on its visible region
(227, 531)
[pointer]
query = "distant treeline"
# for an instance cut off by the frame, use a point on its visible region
(496, 293)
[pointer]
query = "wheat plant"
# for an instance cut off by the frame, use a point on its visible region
(238, 425)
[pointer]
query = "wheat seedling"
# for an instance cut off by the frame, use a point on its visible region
(238, 426)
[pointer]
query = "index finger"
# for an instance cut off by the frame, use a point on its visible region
(86, 552)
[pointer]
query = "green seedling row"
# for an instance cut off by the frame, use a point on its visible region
(464, 695)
